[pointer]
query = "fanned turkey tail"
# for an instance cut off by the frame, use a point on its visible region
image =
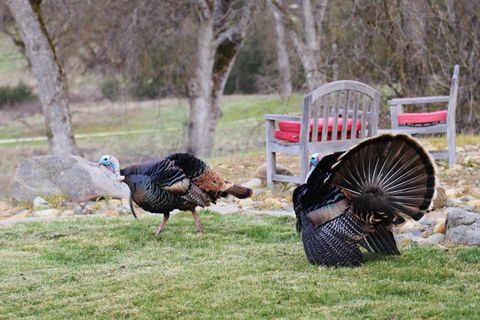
(386, 178)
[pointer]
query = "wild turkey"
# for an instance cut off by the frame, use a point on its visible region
(353, 199)
(178, 181)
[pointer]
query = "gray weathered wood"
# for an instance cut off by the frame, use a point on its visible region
(282, 117)
(396, 109)
(271, 155)
(285, 178)
(419, 100)
(452, 107)
(345, 114)
(335, 115)
(346, 98)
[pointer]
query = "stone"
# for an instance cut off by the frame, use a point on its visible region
(286, 205)
(467, 199)
(436, 238)
(40, 204)
(114, 203)
(470, 148)
(4, 206)
(46, 213)
(427, 233)
(91, 207)
(78, 209)
(409, 226)
(453, 202)
(462, 227)
(125, 202)
(111, 213)
(253, 183)
(245, 202)
(404, 240)
(475, 192)
(76, 178)
(453, 193)
(440, 226)
(441, 199)
(67, 213)
(272, 203)
(261, 172)
(475, 204)
(124, 210)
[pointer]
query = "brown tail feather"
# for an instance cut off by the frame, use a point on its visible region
(238, 191)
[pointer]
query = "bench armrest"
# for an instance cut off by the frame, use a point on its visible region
(282, 117)
(418, 100)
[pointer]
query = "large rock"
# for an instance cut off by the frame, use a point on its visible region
(441, 200)
(463, 227)
(72, 176)
(261, 172)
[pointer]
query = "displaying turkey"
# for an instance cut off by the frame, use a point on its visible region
(178, 181)
(352, 199)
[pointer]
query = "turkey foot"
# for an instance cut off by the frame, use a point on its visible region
(197, 221)
(162, 225)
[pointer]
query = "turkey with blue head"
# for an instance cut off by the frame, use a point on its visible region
(178, 181)
(353, 199)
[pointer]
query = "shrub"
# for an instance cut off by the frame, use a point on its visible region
(110, 89)
(144, 88)
(10, 96)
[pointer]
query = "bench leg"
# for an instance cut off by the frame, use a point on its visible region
(271, 167)
(452, 145)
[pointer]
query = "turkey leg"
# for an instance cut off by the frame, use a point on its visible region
(162, 225)
(197, 221)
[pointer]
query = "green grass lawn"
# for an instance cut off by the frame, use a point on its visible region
(242, 267)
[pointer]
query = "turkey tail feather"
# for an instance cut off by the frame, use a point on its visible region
(239, 191)
(386, 177)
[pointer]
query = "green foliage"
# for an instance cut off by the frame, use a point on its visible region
(144, 88)
(242, 267)
(110, 89)
(10, 96)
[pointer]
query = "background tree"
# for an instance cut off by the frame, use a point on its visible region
(221, 31)
(285, 82)
(305, 31)
(48, 72)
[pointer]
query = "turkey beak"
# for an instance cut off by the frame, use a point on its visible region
(130, 202)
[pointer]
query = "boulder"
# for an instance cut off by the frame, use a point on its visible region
(70, 176)
(261, 172)
(40, 204)
(441, 200)
(463, 227)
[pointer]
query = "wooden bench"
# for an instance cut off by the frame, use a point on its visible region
(341, 102)
(429, 122)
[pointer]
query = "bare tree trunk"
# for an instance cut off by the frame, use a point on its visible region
(218, 44)
(200, 87)
(309, 49)
(414, 27)
(50, 76)
(285, 83)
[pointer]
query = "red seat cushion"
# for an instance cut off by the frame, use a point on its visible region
(294, 126)
(295, 136)
(424, 117)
